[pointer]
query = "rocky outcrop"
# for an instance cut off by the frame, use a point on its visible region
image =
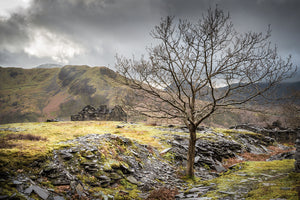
(104, 161)
(100, 114)
(212, 149)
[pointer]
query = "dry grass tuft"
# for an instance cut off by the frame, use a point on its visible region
(231, 161)
(163, 194)
(24, 137)
(6, 144)
(274, 150)
(62, 188)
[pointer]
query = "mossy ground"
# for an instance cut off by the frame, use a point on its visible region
(267, 180)
(18, 153)
(53, 133)
(264, 180)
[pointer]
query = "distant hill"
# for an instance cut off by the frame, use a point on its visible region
(281, 93)
(49, 66)
(41, 93)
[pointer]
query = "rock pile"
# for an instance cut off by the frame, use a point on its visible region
(211, 150)
(103, 161)
(100, 114)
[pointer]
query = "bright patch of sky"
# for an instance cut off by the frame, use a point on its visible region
(8, 7)
(47, 44)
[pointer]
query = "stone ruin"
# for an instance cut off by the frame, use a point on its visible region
(100, 114)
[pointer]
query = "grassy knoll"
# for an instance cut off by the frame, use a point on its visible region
(20, 150)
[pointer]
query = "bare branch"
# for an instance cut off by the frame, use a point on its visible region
(180, 77)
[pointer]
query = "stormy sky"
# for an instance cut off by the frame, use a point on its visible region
(92, 32)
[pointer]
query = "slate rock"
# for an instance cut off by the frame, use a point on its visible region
(66, 155)
(115, 176)
(44, 194)
(28, 191)
(58, 198)
(179, 196)
(132, 180)
(15, 182)
(285, 188)
(79, 190)
(4, 197)
(219, 167)
(61, 181)
(125, 169)
(165, 150)
(282, 156)
(225, 192)
(103, 178)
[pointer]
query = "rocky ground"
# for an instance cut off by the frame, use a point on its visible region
(109, 166)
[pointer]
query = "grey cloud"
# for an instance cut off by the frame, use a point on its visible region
(13, 32)
(102, 17)
(98, 24)
(106, 27)
(20, 59)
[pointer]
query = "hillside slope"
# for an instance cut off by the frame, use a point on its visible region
(38, 94)
(42, 93)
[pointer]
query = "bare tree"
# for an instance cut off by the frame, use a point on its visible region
(182, 75)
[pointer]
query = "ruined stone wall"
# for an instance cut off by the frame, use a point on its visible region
(100, 114)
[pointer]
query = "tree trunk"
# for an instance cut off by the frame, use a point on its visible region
(191, 153)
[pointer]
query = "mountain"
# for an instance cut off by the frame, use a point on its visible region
(41, 93)
(38, 94)
(285, 92)
(49, 66)
(281, 93)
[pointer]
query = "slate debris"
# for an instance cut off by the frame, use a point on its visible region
(211, 152)
(140, 165)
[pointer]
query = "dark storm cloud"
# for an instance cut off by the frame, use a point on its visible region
(101, 28)
(82, 18)
(13, 32)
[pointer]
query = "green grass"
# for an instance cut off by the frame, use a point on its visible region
(25, 151)
(267, 180)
